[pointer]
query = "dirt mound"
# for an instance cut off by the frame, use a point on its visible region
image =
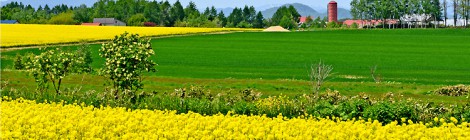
(275, 29)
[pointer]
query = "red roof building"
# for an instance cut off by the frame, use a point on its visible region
(303, 19)
(362, 23)
(91, 24)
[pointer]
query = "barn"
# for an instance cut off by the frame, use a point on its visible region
(109, 22)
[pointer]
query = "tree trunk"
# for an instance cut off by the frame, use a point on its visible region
(455, 13)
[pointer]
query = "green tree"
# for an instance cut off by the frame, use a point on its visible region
(213, 13)
(294, 13)
(323, 22)
(152, 12)
(332, 24)
(191, 10)
(278, 15)
(222, 18)
(436, 11)
(288, 23)
(259, 21)
(136, 20)
(63, 19)
(126, 58)
(317, 23)
(177, 12)
(354, 25)
(165, 14)
(53, 65)
(207, 13)
(285, 11)
(235, 17)
(82, 14)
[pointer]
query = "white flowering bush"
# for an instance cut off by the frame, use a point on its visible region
(126, 58)
(53, 65)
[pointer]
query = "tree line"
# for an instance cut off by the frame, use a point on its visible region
(136, 13)
(409, 13)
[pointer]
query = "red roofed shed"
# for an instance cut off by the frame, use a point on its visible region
(91, 24)
(303, 19)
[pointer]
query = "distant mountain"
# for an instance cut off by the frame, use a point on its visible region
(265, 7)
(227, 11)
(303, 10)
(343, 13)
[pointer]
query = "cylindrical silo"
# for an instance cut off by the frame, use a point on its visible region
(332, 11)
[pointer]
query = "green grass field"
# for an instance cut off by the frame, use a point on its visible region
(411, 62)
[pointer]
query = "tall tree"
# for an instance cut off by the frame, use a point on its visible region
(258, 22)
(355, 11)
(165, 14)
(176, 12)
(436, 12)
(444, 8)
(295, 14)
(152, 12)
(191, 10)
(282, 12)
(235, 17)
(213, 13)
(222, 18)
(456, 7)
(82, 14)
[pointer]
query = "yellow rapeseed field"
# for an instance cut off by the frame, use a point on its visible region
(23, 119)
(29, 34)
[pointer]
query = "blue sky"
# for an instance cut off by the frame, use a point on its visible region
(316, 4)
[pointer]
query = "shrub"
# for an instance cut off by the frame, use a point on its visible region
(332, 24)
(318, 73)
(288, 23)
(84, 52)
(458, 90)
(387, 112)
(136, 20)
(126, 58)
(149, 24)
(354, 25)
(194, 92)
(19, 64)
(53, 65)
(250, 95)
(65, 18)
(244, 24)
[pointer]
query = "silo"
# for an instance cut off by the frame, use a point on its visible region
(332, 11)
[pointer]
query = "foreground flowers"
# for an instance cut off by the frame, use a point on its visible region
(29, 34)
(22, 119)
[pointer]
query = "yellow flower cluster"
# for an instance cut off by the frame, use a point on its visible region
(23, 119)
(29, 34)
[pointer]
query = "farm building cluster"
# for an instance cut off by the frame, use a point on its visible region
(404, 21)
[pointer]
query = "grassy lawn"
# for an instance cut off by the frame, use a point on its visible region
(411, 62)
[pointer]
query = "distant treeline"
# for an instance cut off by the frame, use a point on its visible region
(136, 13)
(417, 13)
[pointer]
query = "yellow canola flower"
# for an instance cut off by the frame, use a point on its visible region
(23, 119)
(32, 34)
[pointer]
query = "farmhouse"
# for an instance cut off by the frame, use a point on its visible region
(9, 22)
(302, 20)
(109, 22)
(362, 23)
